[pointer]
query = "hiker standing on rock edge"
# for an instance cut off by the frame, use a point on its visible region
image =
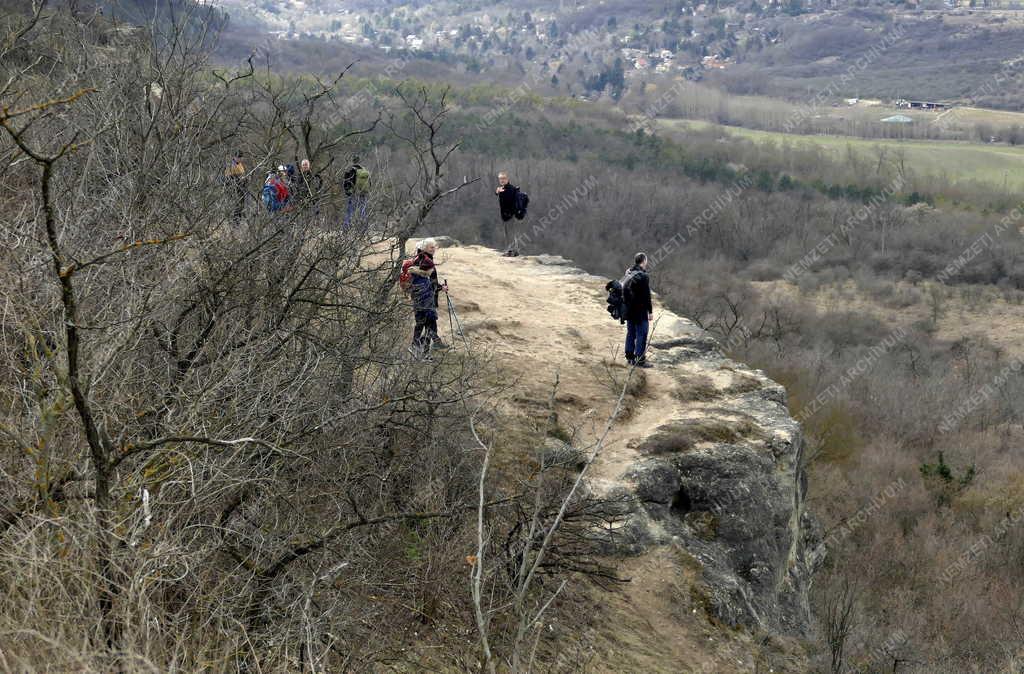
(636, 291)
(424, 291)
(275, 190)
(511, 204)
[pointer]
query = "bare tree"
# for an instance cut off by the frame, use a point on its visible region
(839, 620)
(216, 420)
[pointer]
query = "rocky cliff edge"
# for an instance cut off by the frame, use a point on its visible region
(707, 450)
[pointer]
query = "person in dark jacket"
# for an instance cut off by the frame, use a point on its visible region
(639, 310)
(424, 291)
(507, 197)
(355, 192)
(307, 185)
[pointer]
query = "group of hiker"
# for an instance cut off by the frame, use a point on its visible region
(288, 188)
(629, 299)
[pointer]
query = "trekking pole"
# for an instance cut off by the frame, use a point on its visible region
(451, 313)
(458, 323)
(453, 318)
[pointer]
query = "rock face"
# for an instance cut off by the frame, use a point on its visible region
(723, 480)
(446, 242)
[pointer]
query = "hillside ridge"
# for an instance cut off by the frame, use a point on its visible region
(706, 451)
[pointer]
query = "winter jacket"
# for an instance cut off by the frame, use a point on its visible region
(235, 170)
(507, 201)
(306, 185)
(425, 288)
(638, 294)
(275, 194)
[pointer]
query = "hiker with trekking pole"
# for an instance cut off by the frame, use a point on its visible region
(512, 203)
(419, 277)
(275, 192)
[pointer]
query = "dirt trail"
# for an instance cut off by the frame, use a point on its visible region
(541, 317)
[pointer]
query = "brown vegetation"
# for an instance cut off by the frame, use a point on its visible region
(216, 452)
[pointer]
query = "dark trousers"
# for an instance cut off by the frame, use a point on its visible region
(239, 198)
(636, 338)
(425, 332)
(511, 239)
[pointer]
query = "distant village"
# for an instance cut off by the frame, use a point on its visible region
(690, 41)
(700, 38)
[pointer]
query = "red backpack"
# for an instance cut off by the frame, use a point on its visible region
(405, 278)
(282, 192)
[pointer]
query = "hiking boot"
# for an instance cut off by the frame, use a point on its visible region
(644, 363)
(440, 344)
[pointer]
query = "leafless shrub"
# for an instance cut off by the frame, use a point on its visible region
(214, 446)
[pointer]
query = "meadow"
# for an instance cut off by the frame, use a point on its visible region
(958, 162)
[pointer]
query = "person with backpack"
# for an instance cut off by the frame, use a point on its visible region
(636, 293)
(356, 183)
(424, 289)
(512, 203)
(275, 190)
(234, 178)
(307, 185)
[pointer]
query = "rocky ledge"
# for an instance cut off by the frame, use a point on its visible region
(724, 481)
(707, 459)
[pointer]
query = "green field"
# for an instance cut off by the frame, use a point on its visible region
(996, 165)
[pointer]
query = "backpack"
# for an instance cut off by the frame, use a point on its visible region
(270, 199)
(362, 180)
(522, 201)
(405, 278)
(283, 193)
(616, 301)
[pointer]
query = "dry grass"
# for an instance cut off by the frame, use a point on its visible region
(697, 388)
(742, 383)
(685, 435)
